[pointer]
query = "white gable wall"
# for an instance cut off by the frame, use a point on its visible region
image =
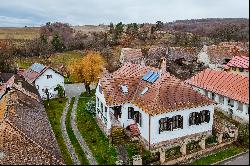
(42, 82)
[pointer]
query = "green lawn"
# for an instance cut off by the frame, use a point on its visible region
(80, 153)
(218, 156)
(54, 112)
(104, 153)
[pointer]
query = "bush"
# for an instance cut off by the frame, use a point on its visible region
(211, 139)
(243, 135)
(173, 152)
(90, 106)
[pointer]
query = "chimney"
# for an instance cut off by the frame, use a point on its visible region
(143, 62)
(163, 65)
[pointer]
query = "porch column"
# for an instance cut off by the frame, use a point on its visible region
(217, 98)
(202, 143)
(219, 137)
(183, 149)
(225, 101)
(209, 95)
(137, 160)
(162, 155)
(235, 105)
(245, 109)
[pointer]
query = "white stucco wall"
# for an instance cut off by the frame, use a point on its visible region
(42, 83)
(225, 107)
(187, 130)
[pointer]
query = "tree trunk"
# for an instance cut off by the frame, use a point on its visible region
(87, 87)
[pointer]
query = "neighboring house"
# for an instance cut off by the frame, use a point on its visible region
(230, 91)
(215, 56)
(131, 55)
(44, 77)
(26, 136)
(238, 65)
(165, 110)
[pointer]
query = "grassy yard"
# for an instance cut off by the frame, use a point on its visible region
(219, 156)
(54, 112)
(80, 153)
(104, 153)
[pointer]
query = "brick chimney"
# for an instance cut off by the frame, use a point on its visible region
(163, 65)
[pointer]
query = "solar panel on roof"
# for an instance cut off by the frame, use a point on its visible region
(148, 75)
(37, 67)
(152, 77)
(155, 78)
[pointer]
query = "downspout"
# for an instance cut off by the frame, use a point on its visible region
(149, 132)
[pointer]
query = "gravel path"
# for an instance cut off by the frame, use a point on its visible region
(84, 146)
(66, 137)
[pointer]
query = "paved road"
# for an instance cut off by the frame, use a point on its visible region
(84, 146)
(239, 160)
(66, 137)
(72, 90)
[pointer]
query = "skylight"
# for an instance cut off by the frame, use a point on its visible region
(144, 91)
(124, 88)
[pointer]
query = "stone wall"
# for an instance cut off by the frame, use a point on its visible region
(196, 155)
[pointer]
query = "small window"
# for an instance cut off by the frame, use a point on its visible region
(37, 86)
(49, 76)
(168, 124)
(241, 69)
(98, 102)
(101, 107)
(100, 89)
(130, 112)
(42, 90)
(106, 110)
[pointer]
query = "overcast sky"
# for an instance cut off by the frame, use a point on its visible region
(80, 12)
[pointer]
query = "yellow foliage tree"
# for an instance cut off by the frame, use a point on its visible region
(88, 69)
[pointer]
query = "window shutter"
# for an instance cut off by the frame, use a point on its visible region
(169, 124)
(140, 120)
(196, 118)
(190, 119)
(180, 122)
(160, 125)
(207, 119)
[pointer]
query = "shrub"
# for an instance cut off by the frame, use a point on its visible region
(243, 135)
(211, 139)
(90, 106)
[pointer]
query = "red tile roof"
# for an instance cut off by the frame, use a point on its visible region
(238, 61)
(30, 75)
(233, 86)
(165, 95)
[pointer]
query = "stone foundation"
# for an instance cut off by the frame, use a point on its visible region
(179, 141)
(196, 155)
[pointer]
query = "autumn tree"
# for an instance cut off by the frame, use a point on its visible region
(87, 69)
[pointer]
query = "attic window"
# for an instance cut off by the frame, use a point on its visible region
(124, 88)
(144, 91)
